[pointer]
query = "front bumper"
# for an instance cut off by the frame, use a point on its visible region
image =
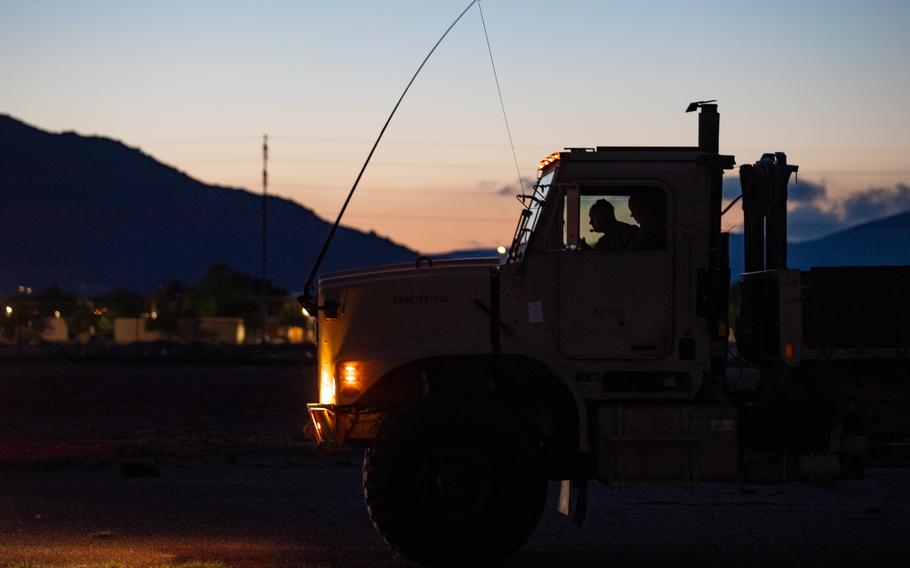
(335, 424)
(323, 418)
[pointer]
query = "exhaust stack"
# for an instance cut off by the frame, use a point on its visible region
(708, 125)
(709, 129)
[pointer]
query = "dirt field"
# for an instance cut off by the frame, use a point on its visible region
(65, 412)
(229, 477)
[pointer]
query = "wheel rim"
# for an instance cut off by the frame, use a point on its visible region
(455, 482)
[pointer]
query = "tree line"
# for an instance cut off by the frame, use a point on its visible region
(222, 291)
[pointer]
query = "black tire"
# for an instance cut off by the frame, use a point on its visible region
(454, 484)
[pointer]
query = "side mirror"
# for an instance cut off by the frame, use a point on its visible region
(573, 216)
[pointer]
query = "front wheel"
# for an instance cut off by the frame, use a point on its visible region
(447, 484)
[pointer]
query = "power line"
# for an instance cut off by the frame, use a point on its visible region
(794, 150)
(414, 191)
(411, 191)
(177, 141)
(469, 165)
(415, 142)
(454, 165)
(403, 142)
(861, 172)
(336, 140)
(449, 143)
(432, 218)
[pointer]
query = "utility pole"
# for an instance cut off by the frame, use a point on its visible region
(265, 223)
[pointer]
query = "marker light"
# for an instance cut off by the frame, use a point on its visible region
(349, 374)
(554, 157)
(501, 249)
(350, 380)
(305, 313)
(9, 311)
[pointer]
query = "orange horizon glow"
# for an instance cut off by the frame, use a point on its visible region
(184, 89)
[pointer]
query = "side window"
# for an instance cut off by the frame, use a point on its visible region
(623, 219)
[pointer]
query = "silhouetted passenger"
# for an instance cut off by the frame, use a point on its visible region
(616, 234)
(650, 213)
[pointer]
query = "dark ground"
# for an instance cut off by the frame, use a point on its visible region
(61, 412)
(239, 484)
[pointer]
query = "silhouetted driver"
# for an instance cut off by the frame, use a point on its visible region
(616, 234)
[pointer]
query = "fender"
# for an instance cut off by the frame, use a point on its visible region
(522, 383)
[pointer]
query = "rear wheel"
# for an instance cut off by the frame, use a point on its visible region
(449, 484)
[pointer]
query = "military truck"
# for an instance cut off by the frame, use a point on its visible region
(471, 383)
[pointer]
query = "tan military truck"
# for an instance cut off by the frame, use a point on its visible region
(589, 355)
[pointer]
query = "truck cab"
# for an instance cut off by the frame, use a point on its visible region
(623, 310)
(596, 351)
(639, 319)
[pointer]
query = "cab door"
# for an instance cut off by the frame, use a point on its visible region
(616, 301)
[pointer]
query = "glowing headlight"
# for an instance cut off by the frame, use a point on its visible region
(326, 387)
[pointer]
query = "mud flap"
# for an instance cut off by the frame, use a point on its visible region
(580, 486)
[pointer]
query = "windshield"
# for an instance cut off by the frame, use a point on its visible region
(530, 216)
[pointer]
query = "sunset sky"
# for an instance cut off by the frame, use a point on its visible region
(196, 84)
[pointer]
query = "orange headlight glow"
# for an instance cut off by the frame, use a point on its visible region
(326, 388)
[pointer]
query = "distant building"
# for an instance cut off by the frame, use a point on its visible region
(36, 330)
(222, 330)
(133, 330)
(288, 322)
(291, 333)
(54, 330)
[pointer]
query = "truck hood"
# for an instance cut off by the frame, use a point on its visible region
(380, 318)
(353, 276)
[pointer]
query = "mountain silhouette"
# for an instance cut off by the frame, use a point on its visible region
(89, 213)
(882, 242)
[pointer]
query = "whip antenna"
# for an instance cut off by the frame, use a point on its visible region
(307, 297)
(501, 103)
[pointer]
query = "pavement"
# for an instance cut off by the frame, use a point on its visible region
(238, 483)
(312, 515)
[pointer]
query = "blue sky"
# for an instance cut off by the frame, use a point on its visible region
(197, 83)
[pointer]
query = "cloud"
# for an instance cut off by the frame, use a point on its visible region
(802, 191)
(731, 187)
(813, 213)
(513, 189)
(877, 202)
(813, 219)
(807, 191)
